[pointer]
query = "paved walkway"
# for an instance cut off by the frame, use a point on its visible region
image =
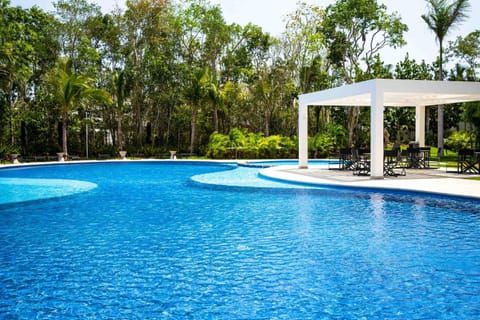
(436, 181)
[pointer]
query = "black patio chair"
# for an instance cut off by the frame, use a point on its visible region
(467, 161)
(361, 162)
(345, 158)
(425, 155)
(391, 160)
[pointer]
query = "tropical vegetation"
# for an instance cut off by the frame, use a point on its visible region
(154, 76)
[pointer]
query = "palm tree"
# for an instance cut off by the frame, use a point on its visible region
(70, 89)
(214, 95)
(441, 17)
(196, 93)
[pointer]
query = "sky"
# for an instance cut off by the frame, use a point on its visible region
(270, 15)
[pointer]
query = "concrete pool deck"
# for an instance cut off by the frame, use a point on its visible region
(435, 181)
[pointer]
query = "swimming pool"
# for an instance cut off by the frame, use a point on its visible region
(146, 240)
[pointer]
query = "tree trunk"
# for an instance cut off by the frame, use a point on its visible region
(317, 119)
(267, 124)
(140, 130)
(169, 120)
(215, 117)
(64, 133)
(193, 126)
(120, 133)
(353, 114)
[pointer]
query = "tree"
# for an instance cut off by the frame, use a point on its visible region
(145, 30)
(15, 66)
(304, 49)
(28, 48)
(409, 69)
(442, 16)
(272, 95)
(472, 115)
(467, 49)
(74, 17)
(195, 95)
(69, 90)
(355, 32)
(217, 35)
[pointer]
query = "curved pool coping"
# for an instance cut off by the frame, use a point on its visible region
(455, 187)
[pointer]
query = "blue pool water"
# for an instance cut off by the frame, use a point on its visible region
(149, 241)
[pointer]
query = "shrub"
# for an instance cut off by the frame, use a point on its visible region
(269, 146)
(460, 140)
(237, 138)
(242, 144)
(218, 146)
(321, 144)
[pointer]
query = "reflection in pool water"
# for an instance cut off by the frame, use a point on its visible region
(150, 242)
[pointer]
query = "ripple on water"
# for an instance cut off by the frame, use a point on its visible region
(147, 244)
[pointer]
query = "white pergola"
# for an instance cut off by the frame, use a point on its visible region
(378, 94)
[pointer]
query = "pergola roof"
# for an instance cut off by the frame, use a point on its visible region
(377, 94)
(396, 93)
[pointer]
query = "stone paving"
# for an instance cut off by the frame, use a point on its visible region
(436, 181)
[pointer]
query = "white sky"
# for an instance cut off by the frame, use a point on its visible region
(270, 14)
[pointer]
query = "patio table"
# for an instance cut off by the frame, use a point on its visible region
(418, 158)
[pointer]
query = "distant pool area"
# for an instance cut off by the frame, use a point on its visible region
(175, 240)
(242, 177)
(266, 163)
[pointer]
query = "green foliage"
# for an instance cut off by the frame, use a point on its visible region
(269, 146)
(472, 115)
(350, 25)
(338, 134)
(6, 149)
(321, 144)
(467, 49)
(182, 78)
(460, 140)
(237, 138)
(442, 16)
(247, 145)
(398, 121)
(70, 89)
(218, 146)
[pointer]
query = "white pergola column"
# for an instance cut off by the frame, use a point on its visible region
(420, 125)
(376, 134)
(303, 136)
